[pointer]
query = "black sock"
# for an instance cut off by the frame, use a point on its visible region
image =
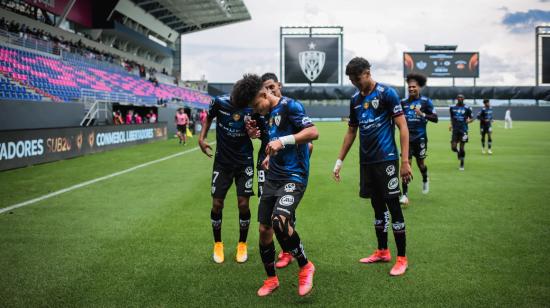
(482, 143)
(398, 225)
(462, 155)
(296, 248)
(244, 224)
(405, 188)
(381, 229)
(424, 174)
(489, 144)
(268, 258)
(216, 225)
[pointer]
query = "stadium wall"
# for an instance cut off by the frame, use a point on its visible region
(33, 115)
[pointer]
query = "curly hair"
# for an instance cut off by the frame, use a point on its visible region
(419, 78)
(357, 66)
(245, 90)
(269, 76)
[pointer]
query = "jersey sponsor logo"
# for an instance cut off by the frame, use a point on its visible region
(248, 184)
(375, 103)
(390, 170)
(286, 200)
(277, 120)
(249, 171)
(290, 187)
(393, 183)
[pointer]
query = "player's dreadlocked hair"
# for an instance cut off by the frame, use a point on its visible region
(419, 78)
(245, 90)
(357, 66)
(269, 76)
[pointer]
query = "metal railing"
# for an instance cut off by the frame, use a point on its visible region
(27, 41)
(90, 95)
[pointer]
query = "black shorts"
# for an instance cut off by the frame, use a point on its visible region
(459, 136)
(379, 178)
(182, 129)
(280, 198)
(223, 176)
(485, 129)
(418, 148)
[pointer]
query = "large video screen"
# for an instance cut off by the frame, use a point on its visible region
(311, 60)
(442, 64)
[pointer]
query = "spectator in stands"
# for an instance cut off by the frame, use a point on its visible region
(137, 118)
(130, 117)
(117, 118)
(151, 116)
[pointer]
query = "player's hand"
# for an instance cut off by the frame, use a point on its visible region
(273, 147)
(418, 112)
(406, 172)
(336, 170)
(205, 147)
(265, 163)
(450, 127)
(252, 129)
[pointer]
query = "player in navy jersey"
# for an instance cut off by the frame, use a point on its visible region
(233, 162)
(485, 117)
(461, 116)
(287, 165)
(375, 109)
(271, 83)
(418, 111)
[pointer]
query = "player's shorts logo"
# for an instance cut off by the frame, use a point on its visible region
(248, 184)
(290, 187)
(375, 103)
(213, 189)
(390, 170)
(249, 171)
(393, 183)
(286, 200)
(312, 62)
(465, 137)
(422, 152)
(422, 145)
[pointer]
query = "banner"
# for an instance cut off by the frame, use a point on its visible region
(20, 148)
(311, 60)
(442, 64)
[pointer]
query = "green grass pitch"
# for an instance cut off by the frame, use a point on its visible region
(479, 238)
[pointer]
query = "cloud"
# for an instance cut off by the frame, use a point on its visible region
(522, 22)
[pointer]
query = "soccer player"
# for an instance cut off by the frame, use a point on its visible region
(233, 162)
(461, 116)
(485, 117)
(287, 162)
(271, 83)
(418, 111)
(182, 120)
(375, 109)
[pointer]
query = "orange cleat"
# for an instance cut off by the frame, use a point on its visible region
(270, 285)
(380, 255)
(400, 266)
(285, 258)
(242, 252)
(217, 255)
(305, 279)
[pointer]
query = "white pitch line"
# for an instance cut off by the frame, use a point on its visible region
(83, 184)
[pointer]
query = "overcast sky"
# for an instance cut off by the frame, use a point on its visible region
(380, 31)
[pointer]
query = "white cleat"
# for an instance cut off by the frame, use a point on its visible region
(489, 151)
(426, 187)
(482, 151)
(461, 168)
(404, 200)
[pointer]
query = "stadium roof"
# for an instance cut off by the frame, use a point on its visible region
(186, 16)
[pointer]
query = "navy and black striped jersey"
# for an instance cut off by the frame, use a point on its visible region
(288, 117)
(374, 114)
(416, 123)
(459, 117)
(485, 116)
(234, 147)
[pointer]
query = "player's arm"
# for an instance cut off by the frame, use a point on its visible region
(469, 117)
(452, 118)
(430, 113)
(306, 135)
(349, 138)
(203, 144)
(405, 170)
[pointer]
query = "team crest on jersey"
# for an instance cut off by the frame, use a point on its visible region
(277, 119)
(312, 62)
(236, 117)
(375, 103)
